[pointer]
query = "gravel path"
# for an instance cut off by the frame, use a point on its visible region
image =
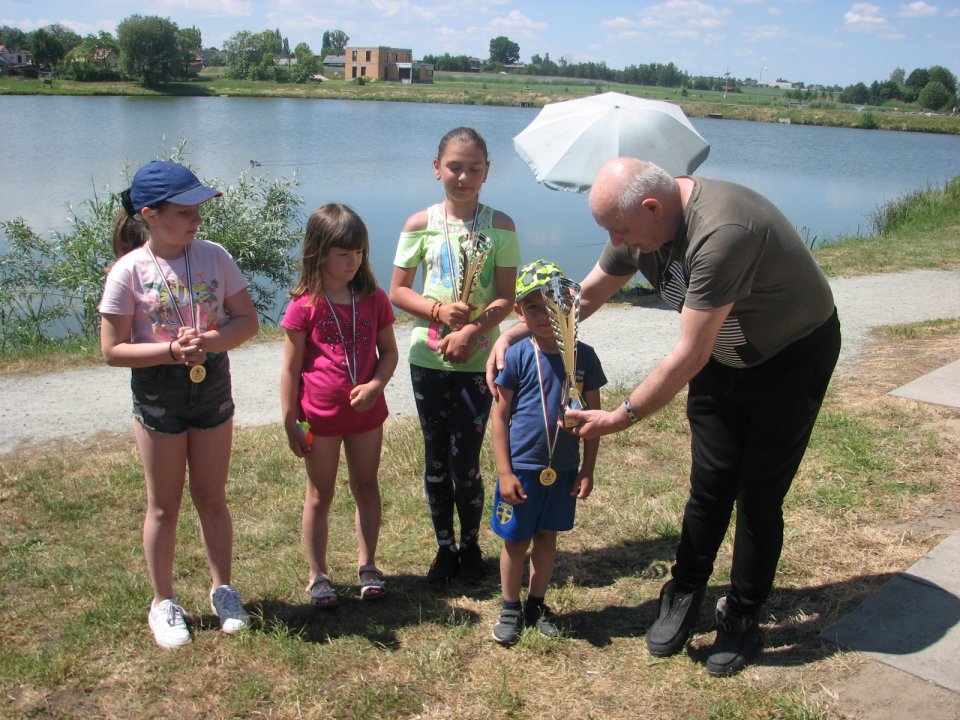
(80, 403)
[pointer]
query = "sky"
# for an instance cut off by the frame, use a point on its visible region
(826, 42)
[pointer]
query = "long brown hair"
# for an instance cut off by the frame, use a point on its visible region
(129, 229)
(334, 226)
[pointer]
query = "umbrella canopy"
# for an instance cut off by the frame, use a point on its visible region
(567, 142)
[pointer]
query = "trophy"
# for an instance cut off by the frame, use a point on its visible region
(562, 297)
(474, 250)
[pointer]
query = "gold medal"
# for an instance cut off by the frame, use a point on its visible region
(198, 373)
(548, 476)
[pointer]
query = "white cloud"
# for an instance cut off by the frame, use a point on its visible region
(403, 8)
(231, 8)
(760, 33)
(918, 9)
(864, 17)
(617, 22)
(693, 13)
(516, 20)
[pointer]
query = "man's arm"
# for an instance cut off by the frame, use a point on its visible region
(597, 287)
(698, 333)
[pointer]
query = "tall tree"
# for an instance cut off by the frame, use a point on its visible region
(898, 75)
(337, 41)
(934, 96)
(940, 74)
(150, 50)
(504, 50)
(46, 49)
(251, 55)
(14, 38)
(191, 43)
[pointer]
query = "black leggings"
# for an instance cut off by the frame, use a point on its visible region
(750, 428)
(453, 409)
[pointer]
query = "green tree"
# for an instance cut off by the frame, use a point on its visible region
(337, 41)
(95, 59)
(14, 38)
(504, 50)
(898, 75)
(857, 94)
(942, 75)
(251, 55)
(934, 96)
(46, 49)
(190, 43)
(917, 79)
(150, 50)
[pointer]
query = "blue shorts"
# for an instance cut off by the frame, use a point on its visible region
(546, 508)
(166, 400)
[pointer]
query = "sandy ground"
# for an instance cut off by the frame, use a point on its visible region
(80, 403)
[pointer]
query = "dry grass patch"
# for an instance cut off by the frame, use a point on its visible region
(75, 592)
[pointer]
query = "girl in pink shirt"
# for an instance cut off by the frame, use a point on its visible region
(339, 354)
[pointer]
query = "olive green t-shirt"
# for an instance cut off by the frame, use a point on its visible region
(735, 246)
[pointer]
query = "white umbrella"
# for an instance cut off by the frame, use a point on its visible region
(567, 142)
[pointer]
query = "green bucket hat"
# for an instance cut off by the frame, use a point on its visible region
(536, 276)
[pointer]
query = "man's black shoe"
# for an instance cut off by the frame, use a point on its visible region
(738, 640)
(679, 612)
(444, 566)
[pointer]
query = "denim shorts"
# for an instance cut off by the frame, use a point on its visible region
(166, 400)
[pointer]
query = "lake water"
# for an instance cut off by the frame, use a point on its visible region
(376, 156)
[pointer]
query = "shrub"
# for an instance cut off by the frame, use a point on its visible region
(50, 288)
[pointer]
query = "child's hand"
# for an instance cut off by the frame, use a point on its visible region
(190, 344)
(511, 490)
(298, 439)
(582, 486)
(456, 315)
(362, 397)
(457, 346)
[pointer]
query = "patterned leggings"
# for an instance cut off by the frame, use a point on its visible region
(453, 409)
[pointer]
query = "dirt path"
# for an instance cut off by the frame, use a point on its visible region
(79, 403)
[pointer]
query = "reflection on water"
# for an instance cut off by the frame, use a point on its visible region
(377, 157)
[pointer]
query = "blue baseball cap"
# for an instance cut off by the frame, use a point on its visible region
(160, 181)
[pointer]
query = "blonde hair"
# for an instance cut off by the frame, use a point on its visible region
(333, 226)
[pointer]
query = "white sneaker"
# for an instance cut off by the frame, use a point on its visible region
(168, 620)
(228, 606)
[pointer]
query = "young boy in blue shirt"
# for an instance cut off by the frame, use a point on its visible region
(540, 476)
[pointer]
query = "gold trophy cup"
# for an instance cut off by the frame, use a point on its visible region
(562, 297)
(474, 250)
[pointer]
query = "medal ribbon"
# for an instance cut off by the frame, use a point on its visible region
(351, 370)
(551, 442)
(173, 299)
(454, 268)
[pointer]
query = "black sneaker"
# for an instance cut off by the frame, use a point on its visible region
(444, 566)
(679, 613)
(508, 627)
(541, 617)
(738, 640)
(472, 567)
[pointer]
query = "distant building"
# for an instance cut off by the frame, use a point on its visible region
(13, 62)
(385, 63)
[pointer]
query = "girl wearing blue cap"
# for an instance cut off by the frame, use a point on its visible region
(172, 306)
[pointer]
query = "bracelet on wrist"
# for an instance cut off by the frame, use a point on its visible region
(629, 410)
(170, 350)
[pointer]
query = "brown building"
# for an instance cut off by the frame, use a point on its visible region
(385, 63)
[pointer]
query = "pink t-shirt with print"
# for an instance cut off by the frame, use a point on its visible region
(325, 383)
(134, 287)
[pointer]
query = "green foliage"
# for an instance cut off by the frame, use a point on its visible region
(337, 41)
(868, 121)
(150, 50)
(256, 220)
(50, 288)
(251, 55)
(504, 50)
(934, 95)
(930, 207)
